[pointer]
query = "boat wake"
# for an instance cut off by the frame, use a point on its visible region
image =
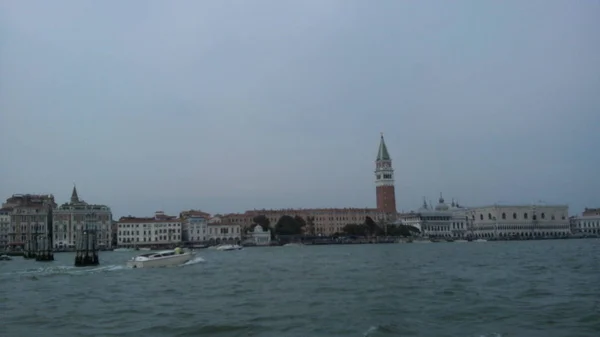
(195, 260)
(62, 270)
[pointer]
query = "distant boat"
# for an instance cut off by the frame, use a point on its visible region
(480, 240)
(460, 241)
(5, 258)
(145, 248)
(293, 244)
(229, 247)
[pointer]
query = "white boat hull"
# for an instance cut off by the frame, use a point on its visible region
(167, 261)
(229, 247)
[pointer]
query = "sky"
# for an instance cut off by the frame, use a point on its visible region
(226, 106)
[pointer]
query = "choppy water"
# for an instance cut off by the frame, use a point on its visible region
(545, 288)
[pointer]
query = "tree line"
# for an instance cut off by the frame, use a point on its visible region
(297, 225)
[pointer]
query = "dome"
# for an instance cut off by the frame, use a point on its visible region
(441, 206)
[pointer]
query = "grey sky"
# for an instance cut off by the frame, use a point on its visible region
(233, 105)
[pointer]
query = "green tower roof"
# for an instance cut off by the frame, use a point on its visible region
(383, 154)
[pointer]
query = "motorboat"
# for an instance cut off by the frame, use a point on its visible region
(480, 240)
(460, 241)
(293, 244)
(165, 258)
(145, 248)
(229, 247)
(5, 258)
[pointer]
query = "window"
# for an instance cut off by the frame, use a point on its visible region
(481, 216)
(503, 216)
(514, 215)
(524, 215)
(489, 216)
(543, 216)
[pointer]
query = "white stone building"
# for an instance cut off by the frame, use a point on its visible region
(524, 221)
(588, 224)
(71, 218)
(223, 232)
(258, 236)
(158, 230)
(195, 229)
(443, 221)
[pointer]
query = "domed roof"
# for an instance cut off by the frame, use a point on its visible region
(441, 206)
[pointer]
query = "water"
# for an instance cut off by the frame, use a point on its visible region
(544, 288)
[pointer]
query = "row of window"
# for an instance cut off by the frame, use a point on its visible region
(155, 239)
(514, 216)
(149, 225)
(156, 231)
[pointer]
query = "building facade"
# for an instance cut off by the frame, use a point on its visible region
(195, 229)
(30, 217)
(384, 182)
(72, 218)
(4, 227)
(258, 236)
(519, 221)
(219, 231)
(443, 221)
(160, 230)
(327, 221)
(588, 224)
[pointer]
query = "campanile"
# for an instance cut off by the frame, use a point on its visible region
(384, 180)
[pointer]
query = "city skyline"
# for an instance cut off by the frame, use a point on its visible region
(172, 107)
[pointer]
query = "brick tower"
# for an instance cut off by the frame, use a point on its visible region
(384, 180)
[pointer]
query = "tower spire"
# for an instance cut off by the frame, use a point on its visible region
(382, 153)
(74, 196)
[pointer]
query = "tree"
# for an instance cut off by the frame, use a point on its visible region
(310, 224)
(356, 230)
(371, 226)
(263, 221)
(287, 225)
(402, 230)
(301, 222)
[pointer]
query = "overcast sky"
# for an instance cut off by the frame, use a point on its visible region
(232, 105)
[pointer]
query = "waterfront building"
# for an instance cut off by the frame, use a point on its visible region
(327, 221)
(161, 229)
(194, 229)
(523, 221)
(588, 223)
(219, 231)
(4, 227)
(72, 217)
(258, 236)
(443, 221)
(30, 216)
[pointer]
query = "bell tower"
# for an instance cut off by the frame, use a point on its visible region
(384, 180)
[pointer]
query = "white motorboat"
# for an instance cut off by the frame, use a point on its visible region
(145, 248)
(480, 240)
(5, 258)
(229, 247)
(293, 244)
(165, 258)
